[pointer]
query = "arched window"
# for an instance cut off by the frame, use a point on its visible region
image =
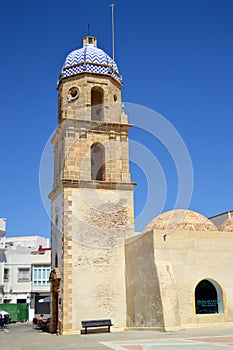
(97, 100)
(208, 297)
(97, 162)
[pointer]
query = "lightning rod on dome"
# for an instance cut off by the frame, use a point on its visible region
(113, 54)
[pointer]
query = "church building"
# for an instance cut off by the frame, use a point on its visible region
(176, 274)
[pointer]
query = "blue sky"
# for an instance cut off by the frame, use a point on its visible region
(175, 56)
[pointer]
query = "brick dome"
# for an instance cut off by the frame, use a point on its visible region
(227, 225)
(181, 220)
(90, 59)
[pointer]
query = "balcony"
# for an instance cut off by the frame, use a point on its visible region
(40, 288)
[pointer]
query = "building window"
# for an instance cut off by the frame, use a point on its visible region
(21, 301)
(6, 275)
(40, 275)
(97, 106)
(23, 274)
(208, 298)
(97, 162)
(7, 301)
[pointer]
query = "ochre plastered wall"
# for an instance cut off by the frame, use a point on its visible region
(144, 304)
(195, 256)
(181, 260)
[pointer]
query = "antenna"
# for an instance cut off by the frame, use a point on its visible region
(112, 6)
(88, 29)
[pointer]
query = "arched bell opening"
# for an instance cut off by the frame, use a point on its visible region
(97, 103)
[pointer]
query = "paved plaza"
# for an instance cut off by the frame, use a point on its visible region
(23, 337)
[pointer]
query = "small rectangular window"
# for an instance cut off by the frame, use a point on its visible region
(6, 275)
(23, 274)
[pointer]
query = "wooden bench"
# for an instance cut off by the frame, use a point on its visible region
(96, 323)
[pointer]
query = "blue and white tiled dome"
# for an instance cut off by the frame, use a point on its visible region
(89, 59)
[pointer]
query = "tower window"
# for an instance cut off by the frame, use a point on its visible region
(97, 162)
(97, 99)
(73, 93)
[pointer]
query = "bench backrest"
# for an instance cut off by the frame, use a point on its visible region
(96, 323)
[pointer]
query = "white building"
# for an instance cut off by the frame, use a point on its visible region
(2, 250)
(219, 219)
(24, 272)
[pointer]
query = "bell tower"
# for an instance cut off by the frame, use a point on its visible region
(92, 208)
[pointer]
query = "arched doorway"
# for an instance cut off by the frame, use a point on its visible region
(208, 297)
(97, 100)
(55, 278)
(97, 162)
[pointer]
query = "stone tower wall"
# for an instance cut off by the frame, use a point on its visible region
(97, 216)
(98, 221)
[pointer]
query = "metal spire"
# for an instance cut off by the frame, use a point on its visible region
(113, 54)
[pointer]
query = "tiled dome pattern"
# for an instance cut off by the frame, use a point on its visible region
(89, 59)
(227, 226)
(181, 220)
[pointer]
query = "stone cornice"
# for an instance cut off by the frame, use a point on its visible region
(78, 76)
(106, 185)
(90, 126)
(95, 125)
(55, 191)
(99, 184)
